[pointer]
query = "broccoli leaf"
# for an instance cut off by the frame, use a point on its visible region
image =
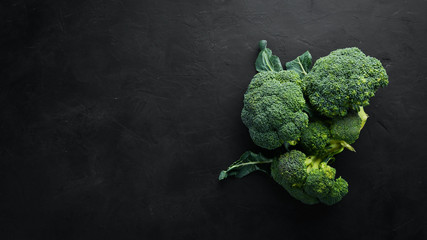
(266, 61)
(246, 164)
(301, 64)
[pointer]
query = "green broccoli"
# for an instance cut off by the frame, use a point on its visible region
(308, 178)
(314, 111)
(342, 81)
(315, 138)
(348, 128)
(298, 193)
(273, 109)
(320, 181)
(326, 138)
(337, 191)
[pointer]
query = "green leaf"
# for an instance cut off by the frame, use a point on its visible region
(246, 164)
(301, 64)
(266, 61)
(222, 175)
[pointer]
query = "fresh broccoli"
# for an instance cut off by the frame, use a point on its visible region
(337, 191)
(273, 109)
(308, 178)
(326, 138)
(314, 111)
(348, 128)
(342, 81)
(320, 180)
(315, 138)
(298, 193)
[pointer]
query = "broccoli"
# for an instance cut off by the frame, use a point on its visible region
(348, 128)
(316, 138)
(328, 138)
(337, 191)
(342, 81)
(308, 178)
(273, 109)
(314, 111)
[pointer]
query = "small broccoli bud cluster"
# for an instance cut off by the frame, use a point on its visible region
(326, 138)
(308, 178)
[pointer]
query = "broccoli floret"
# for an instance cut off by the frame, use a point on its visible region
(342, 81)
(318, 110)
(290, 171)
(273, 109)
(317, 139)
(337, 191)
(308, 178)
(320, 181)
(348, 128)
(282, 76)
(298, 193)
(294, 171)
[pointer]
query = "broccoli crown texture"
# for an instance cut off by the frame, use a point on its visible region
(291, 168)
(298, 193)
(345, 79)
(320, 181)
(346, 128)
(273, 109)
(308, 178)
(290, 171)
(315, 138)
(337, 191)
(326, 139)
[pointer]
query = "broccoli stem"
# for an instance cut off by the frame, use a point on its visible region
(362, 114)
(337, 146)
(302, 67)
(247, 163)
(313, 162)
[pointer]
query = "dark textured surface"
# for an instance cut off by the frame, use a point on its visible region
(117, 117)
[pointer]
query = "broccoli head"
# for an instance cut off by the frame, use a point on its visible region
(290, 171)
(273, 109)
(315, 138)
(348, 128)
(294, 171)
(337, 191)
(344, 80)
(325, 140)
(308, 178)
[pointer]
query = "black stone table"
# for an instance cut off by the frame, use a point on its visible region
(117, 117)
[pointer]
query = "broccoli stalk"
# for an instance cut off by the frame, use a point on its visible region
(363, 116)
(312, 162)
(337, 146)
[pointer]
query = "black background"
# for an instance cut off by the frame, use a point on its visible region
(117, 117)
